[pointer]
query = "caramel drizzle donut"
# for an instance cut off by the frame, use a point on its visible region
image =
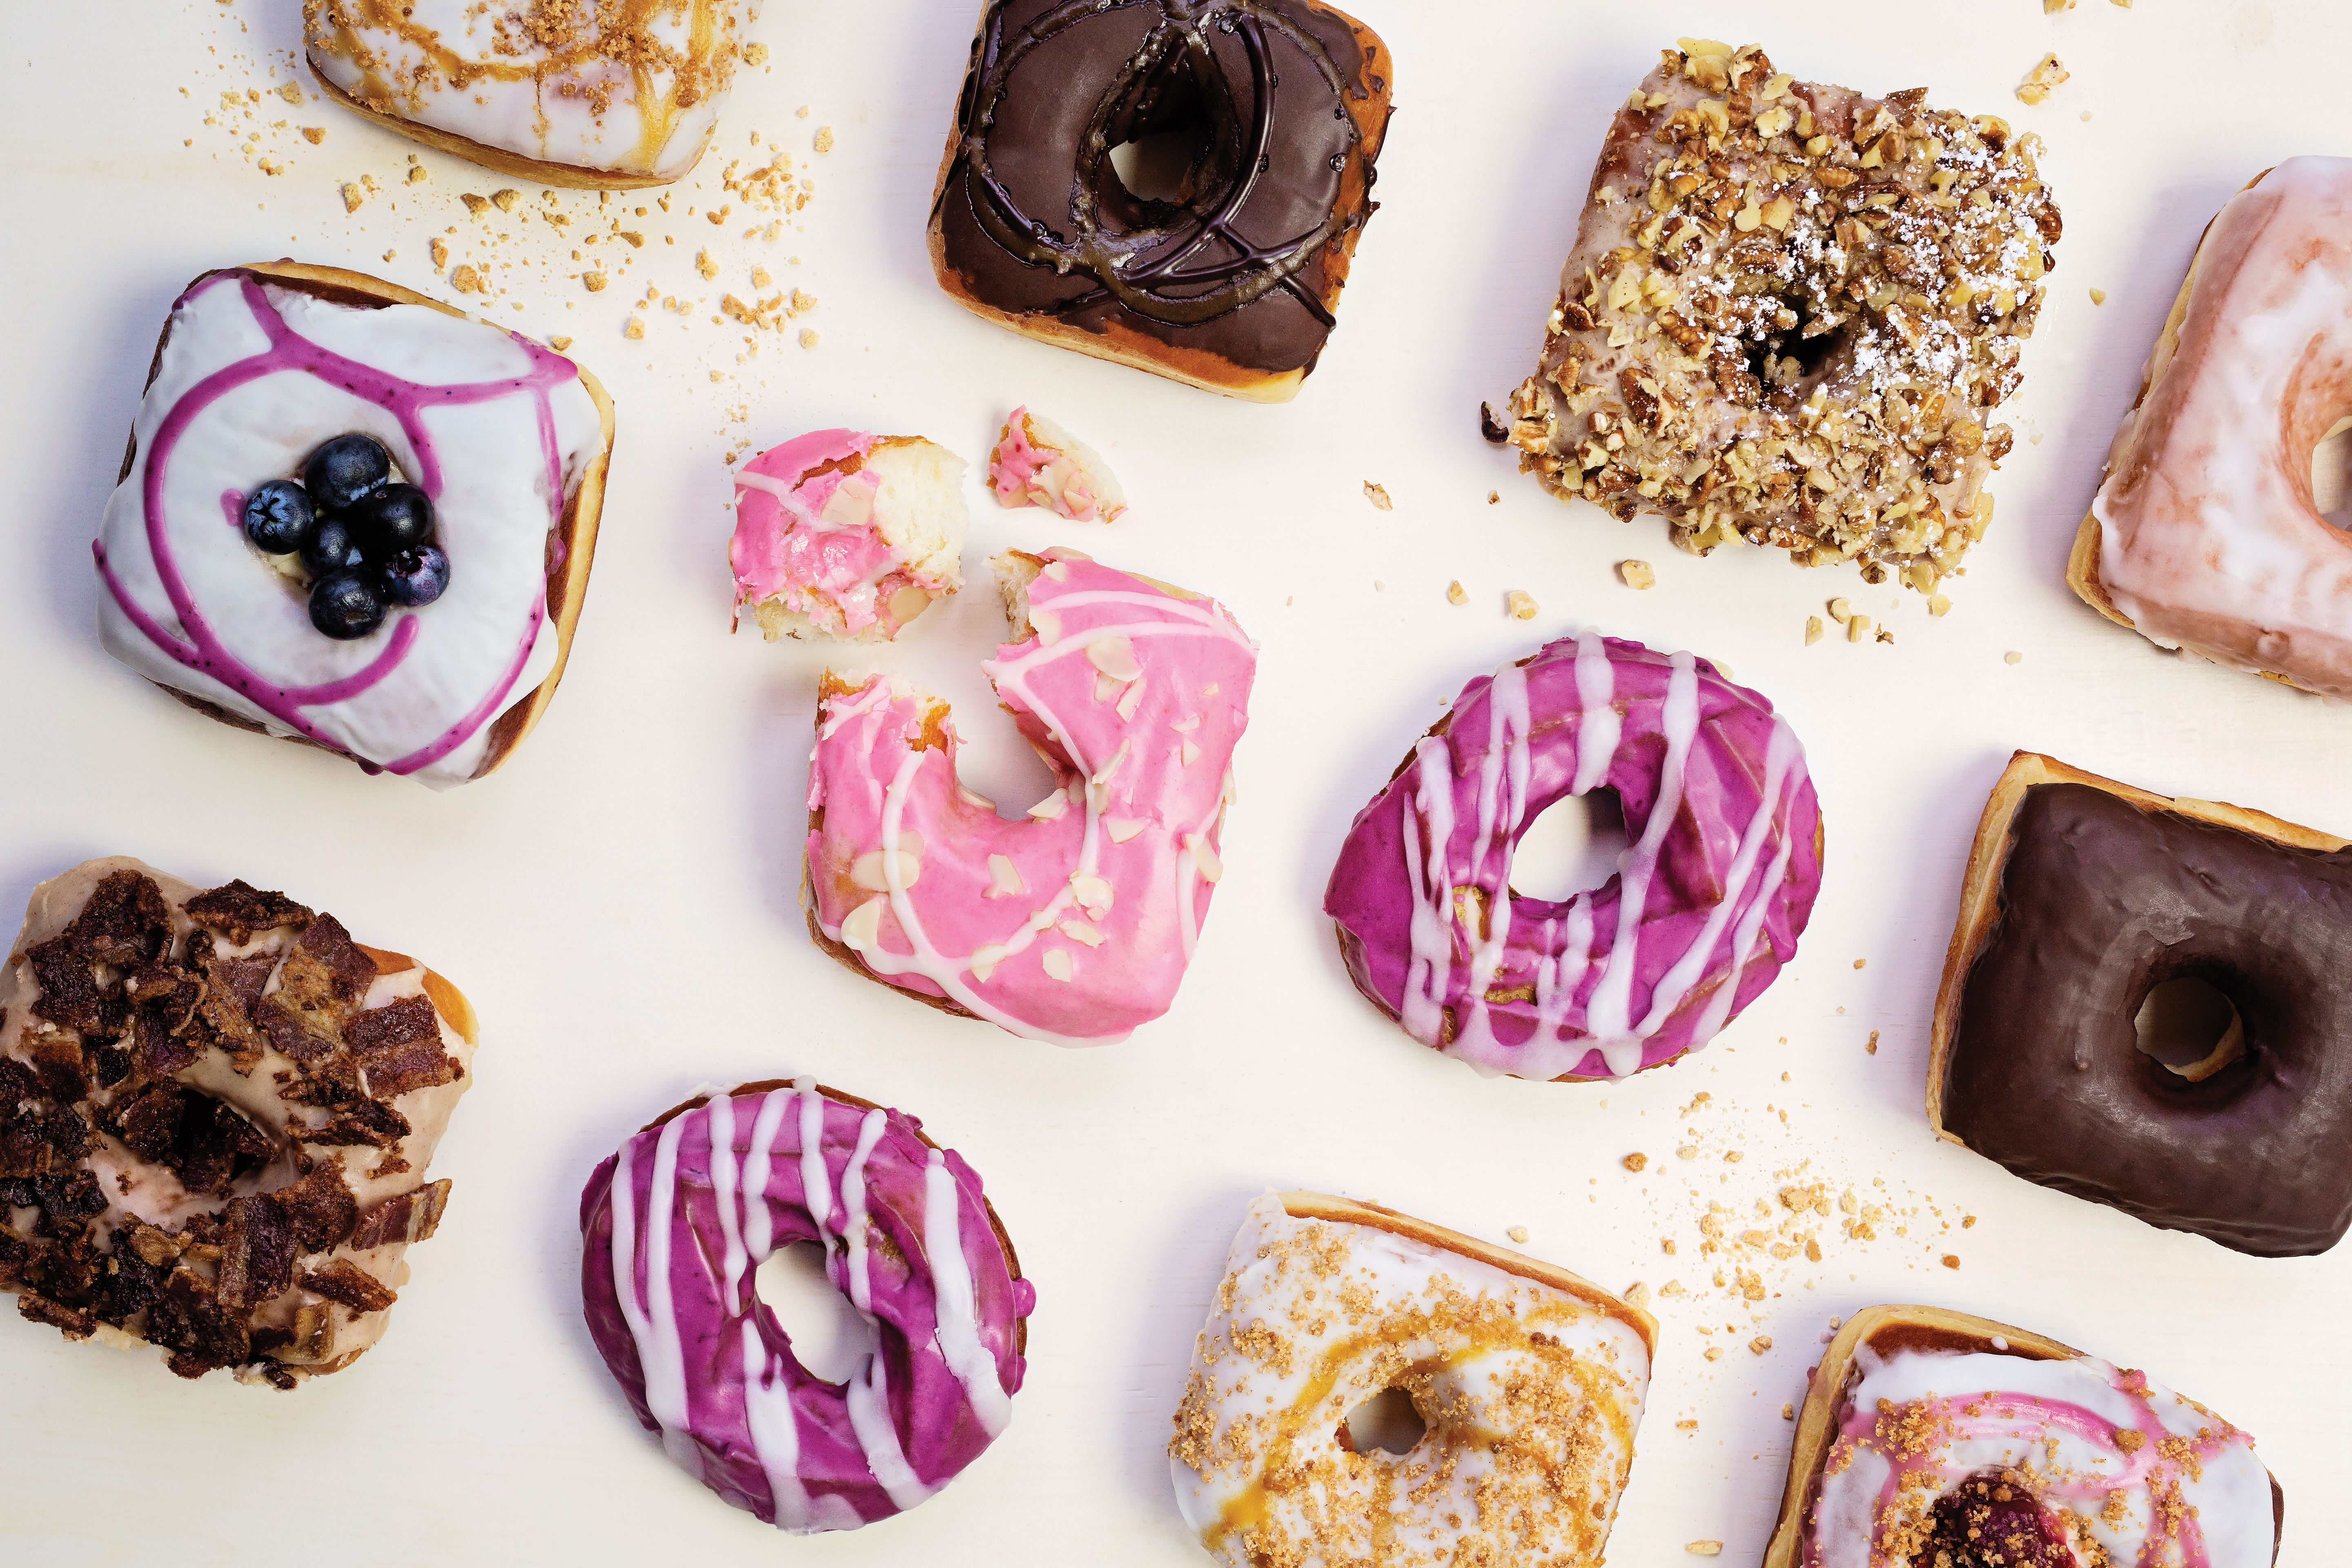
(2205, 535)
(1932, 1437)
(1529, 1381)
(216, 1111)
(535, 93)
(1078, 923)
(677, 1224)
(1707, 902)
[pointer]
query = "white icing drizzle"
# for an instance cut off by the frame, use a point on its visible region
(958, 1302)
(816, 1186)
(1611, 1002)
(1599, 724)
(869, 1387)
(654, 1323)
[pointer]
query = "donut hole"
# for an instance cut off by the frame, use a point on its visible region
(829, 1338)
(1162, 165)
(2191, 1026)
(1162, 136)
(2331, 475)
(1388, 1421)
(1571, 847)
(1798, 349)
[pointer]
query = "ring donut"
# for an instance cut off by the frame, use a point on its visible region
(673, 1229)
(1076, 924)
(1705, 907)
(1228, 284)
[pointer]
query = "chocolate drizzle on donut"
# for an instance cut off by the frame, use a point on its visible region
(1284, 111)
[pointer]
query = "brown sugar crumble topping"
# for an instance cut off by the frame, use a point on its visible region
(128, 1018)
(1789, 316)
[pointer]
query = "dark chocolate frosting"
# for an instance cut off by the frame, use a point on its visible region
(2100, 903)
(1244, 263)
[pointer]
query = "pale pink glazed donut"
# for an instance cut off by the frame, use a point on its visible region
(1037, 463)
(1076, 924)
(1707, 905)
(846, 534)
(674, 1227)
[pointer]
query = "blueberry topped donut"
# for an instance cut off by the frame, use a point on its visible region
(1174, 185)
(353, 517)
(1705, 907)
(675, 1225)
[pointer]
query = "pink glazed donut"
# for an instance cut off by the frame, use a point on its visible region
(710, 1190)
(1705, 907)
(1076, 924)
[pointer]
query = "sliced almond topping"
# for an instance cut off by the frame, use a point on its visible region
(1059, 966)
(1122, 828)
(1078, 930)
(1212, 869)
(1114, 656)
(1005, 876)
(863, 928)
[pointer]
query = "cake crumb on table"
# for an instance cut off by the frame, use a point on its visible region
(1456, 594)
(1518, 1232)
(1378, 495)
(1637, 1162)
(2012, 656)
(1705, 1549)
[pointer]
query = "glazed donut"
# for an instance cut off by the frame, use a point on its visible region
(675, 1225)
(1529, 1381)
(2083, 896)
(1930, 1436)
(2204, 535)
(848, 534)
(1707, 905)
(615, 95)
(1035, 462)
(261, 368)
(1075, 924)
(216, 1111)
(1789, 316)
(1230, 283)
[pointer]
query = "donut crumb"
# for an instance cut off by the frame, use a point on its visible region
(1378, 495)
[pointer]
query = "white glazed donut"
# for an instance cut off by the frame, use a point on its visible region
(618, 94)
(258, 368)
(1529, 1379)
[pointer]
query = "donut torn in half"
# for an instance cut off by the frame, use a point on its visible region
(846, 534)
(1791, 317)
(1527, 1382)
(216, 1111)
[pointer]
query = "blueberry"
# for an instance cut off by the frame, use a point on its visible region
(329, 547)
(391, 520)
(276, 516)
(344, 469)
(416, 575)
(345, 605)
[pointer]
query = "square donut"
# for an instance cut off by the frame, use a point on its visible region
(493, 446)
(216, 1115)
(1222, 265)
(2082, 898)
(1939, 1440)
(1527, 1384)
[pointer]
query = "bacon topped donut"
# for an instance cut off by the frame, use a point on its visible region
(1075, 924)
(1705, 907)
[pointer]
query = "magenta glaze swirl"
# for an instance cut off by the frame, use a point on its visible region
(1705, 907)
(675, 1225)
(204, 649)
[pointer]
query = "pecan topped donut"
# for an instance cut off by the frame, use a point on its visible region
(1789, 315)
(1226, 276)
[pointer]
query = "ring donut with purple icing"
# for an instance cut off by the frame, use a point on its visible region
(675, 1225)
(262, 373)
(1705, 907)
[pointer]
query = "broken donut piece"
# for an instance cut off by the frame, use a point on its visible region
(216, 1111)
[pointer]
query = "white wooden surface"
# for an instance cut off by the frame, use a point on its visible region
(620, 900)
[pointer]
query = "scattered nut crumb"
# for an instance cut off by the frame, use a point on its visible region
(1518, 1232)
(824, 139)
(1636, 573)
(1885, 635)
(1494, 498)
(1761, 1344)
(761, 278)
(1841, 610)
(2051, 8)
(593, 281)
(2099, 296)
(440, 249)
(418, 173)
(1951, 1260)
(558, 343)
(1456, 594)
(2012, 656)
(1520, 605)
(352, 196)
(1705, 1549)
(1870, 1047)
(466, 280)
(704, 265)
(1967, 1222)
(808, 337)
(755, 54)
(2042, 79)
(1860, 961)
(1937, 605)
(1857, 628)
(1812, 630)
(1689, 1425)
(1637, 1162)
(635, 328)
(1378, 495)
(1788, 1412)
(505, 199)
(291, 92)
(314, 134)
(1638, 1294)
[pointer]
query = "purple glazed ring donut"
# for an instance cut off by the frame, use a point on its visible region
(1705, 907)
(712, 1188)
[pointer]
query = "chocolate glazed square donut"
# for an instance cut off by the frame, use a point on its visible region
(1224, 269)
(2082, 897)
